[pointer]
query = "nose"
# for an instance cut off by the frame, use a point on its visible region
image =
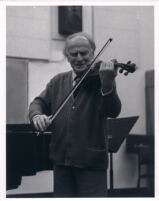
(79, 57)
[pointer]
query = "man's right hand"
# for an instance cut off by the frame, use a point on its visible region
(41, 122)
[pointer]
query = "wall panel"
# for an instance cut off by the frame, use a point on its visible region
(17, 91)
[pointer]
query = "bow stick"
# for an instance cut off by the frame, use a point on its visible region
(52, 117)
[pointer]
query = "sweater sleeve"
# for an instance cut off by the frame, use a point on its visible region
(110, 104)
(42, 103)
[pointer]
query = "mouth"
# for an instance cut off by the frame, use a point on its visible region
(81, 66)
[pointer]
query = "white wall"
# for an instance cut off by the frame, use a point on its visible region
(28, 32)
(133, 39)
(132, 31)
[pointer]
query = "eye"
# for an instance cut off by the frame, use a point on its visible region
(74, 54)
(83, 53)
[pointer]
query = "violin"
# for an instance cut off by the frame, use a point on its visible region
(126, 68)
(123, 68)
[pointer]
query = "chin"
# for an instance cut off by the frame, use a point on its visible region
(80, 70)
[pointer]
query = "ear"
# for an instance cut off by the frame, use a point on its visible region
(68, 57)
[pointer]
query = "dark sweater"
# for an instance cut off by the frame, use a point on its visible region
(79, 137)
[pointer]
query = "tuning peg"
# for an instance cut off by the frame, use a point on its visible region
(121, 71)
(126, 73)
(129, 62)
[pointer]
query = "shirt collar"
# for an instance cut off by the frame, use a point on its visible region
(73, 75)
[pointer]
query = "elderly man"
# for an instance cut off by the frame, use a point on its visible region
(79, 144)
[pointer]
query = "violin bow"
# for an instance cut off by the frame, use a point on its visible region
(52, 117)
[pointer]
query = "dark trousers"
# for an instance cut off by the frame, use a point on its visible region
(78, 182)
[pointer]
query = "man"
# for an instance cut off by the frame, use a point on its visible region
(79, 144)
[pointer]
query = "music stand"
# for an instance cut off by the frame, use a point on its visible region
(117, 130)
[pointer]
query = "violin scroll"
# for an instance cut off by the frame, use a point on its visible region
(126, 68)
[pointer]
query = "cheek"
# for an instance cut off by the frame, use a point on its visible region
(89, 57)
(70, 59)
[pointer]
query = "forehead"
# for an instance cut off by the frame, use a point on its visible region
(78, 42)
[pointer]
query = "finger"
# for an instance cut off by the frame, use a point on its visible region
(47, 122)
(110, 65)
(102, 66)
(107, 67)
(43, 123)
(113, 67)
(35, 125)
(40, 126)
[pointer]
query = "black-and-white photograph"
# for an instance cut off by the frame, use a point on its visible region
(80, 101)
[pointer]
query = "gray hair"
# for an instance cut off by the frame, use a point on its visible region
(81, 34)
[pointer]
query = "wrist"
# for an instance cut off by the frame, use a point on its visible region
(107, 89)
(104, 93)
(107, 86)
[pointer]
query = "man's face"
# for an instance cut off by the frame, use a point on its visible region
(79, 54)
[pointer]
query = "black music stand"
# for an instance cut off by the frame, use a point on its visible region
(118, 129)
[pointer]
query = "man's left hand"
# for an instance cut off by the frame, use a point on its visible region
(107, 73)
